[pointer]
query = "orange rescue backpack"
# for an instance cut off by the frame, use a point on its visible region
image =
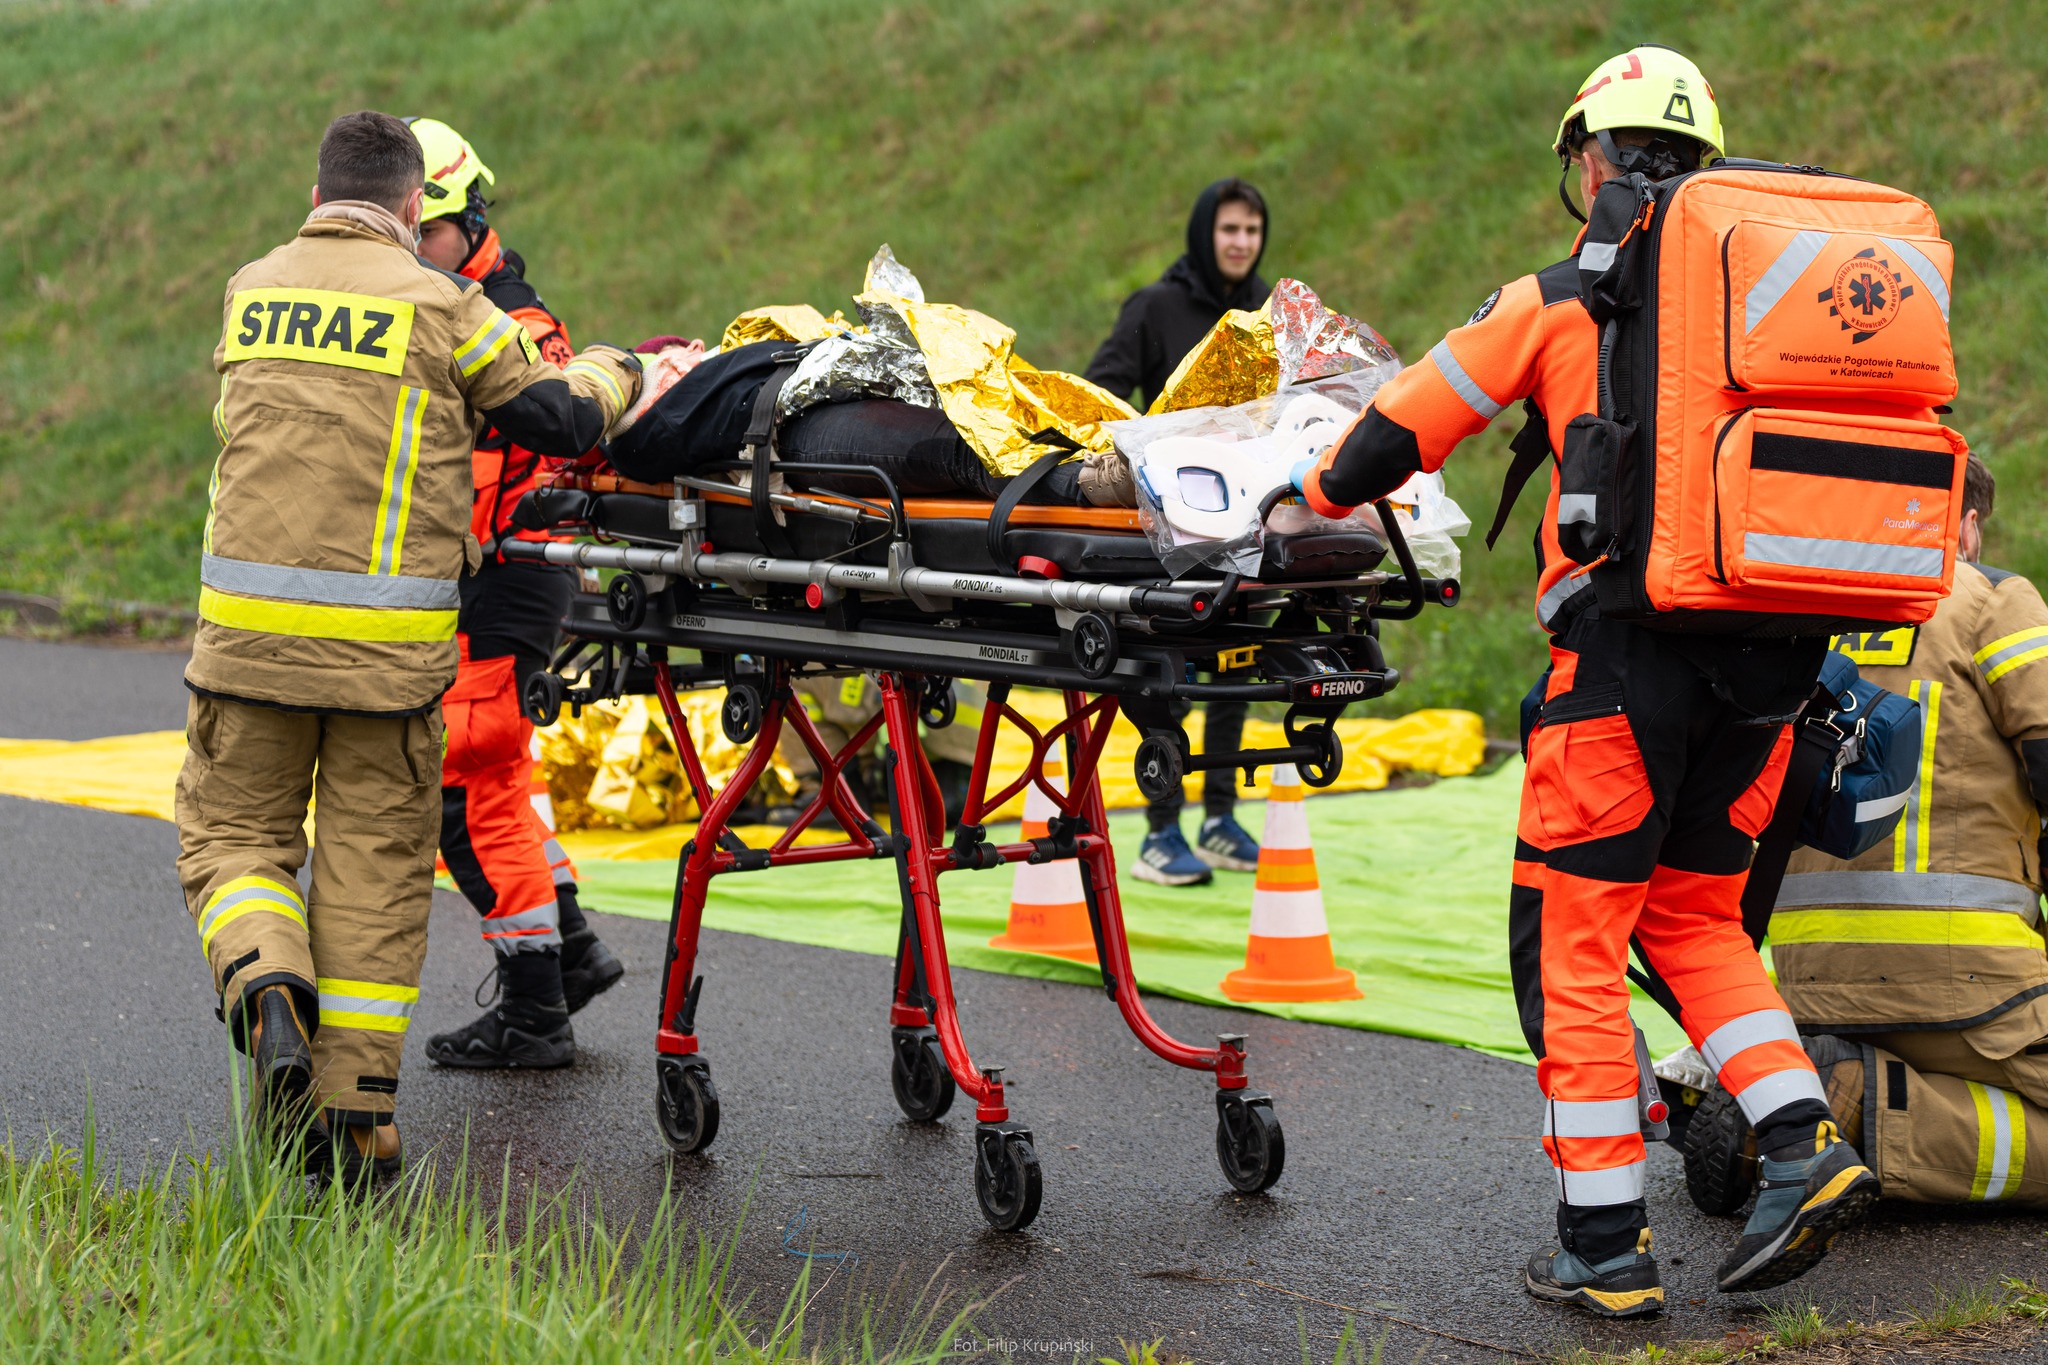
(1767, 459)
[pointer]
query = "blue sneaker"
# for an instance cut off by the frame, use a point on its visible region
(1225, 843)
(1803, 1202)
(1628, 1286)
(1165, 858)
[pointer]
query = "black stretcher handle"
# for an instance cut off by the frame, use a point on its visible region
(1413, 593)
(874, 472)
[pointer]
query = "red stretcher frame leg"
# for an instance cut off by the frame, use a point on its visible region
(930, 1055)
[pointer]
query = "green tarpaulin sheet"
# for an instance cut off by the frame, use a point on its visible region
(1415, 882)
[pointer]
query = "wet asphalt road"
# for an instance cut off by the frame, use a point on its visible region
(1414, 1187)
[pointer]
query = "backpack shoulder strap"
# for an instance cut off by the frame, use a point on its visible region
(1531, 448)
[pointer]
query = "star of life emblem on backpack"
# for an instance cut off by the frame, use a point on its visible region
(1866, 295)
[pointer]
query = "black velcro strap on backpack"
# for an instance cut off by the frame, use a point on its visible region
(1019, 488)
(759, 445)
(1531, 448)
(1812, 753)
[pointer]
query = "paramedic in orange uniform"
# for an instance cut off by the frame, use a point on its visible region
(497, 833)
(1654, 760)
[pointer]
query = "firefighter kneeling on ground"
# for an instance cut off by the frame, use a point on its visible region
(497, 836)
(1647, 739)
(1918, 970)
(354, 378)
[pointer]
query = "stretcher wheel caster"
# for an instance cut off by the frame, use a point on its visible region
(625, 601)
(918, 1074)
(740, 717)
(686, 1102)
(1094, 646)
(541, 699)
(1159, 766)
(1322, 770)
(938, 706)
(1249, 1144)
(1006, 1179)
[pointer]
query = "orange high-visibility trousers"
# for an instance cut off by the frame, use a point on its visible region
(1652, 765)
(491, 836)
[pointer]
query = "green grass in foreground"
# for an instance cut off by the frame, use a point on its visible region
(226, 1260)
(663, 167)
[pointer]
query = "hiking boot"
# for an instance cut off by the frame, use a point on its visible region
(284, 1060)
(1627, 1286)
(1224, 843)
(589, 969)
(1166, 860)
(506, 1037)
(355, 1150)
(1808, 1193)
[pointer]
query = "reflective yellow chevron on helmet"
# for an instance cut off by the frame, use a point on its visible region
(1649, 87)
(452, 168)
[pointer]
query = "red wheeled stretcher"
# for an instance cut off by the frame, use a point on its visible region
(714, 589)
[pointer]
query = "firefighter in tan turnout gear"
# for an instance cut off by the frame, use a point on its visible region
(1918, 971)
(354, 381)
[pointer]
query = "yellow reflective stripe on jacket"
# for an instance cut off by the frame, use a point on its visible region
(481, 349)
(366, 1004)
(246, 895)
(2010, 652)
(1911, 844)
(1925, 928)
(220, 416)
(604, 377)
(212, 497)
(313, 622)
(2001, 1142)
(401, 463)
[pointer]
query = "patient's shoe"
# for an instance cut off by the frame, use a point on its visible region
(1225, 843)
(1165, 859)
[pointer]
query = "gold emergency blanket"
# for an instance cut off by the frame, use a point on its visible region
(1292, 337)
(994, 397)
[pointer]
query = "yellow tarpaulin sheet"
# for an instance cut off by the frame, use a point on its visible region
(135, 774)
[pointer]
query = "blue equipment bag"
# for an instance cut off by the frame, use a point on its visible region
(1855, 757)
(1858, 798)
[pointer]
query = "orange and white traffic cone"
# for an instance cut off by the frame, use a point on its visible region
(1048, 910)
(1288, 956)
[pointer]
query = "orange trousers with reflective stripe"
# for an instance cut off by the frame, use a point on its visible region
(1652, 764)
(492, 837)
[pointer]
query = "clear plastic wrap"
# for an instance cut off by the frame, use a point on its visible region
(1202, 472)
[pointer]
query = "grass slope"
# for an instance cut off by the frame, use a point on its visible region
(663, 167)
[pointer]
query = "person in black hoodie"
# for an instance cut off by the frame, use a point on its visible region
(1158, 326)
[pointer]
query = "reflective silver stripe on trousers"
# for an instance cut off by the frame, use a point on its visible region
(1559, 593)
(329, 587)
(1573, 507)
(1615, 1185)
(1855, 556)
(1783, 273)
(275, 895)
(1910, 890)
(1462, 383)
(540, 917)
(1924, 268)
(1768, 1094)
(1746, 1031)
(1591, 1118)
(334, 1003)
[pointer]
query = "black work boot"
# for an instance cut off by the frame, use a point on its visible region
(1810, 1190)
(589, 969)
(528, 1026)
(284, 1059)
(359, 1151)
